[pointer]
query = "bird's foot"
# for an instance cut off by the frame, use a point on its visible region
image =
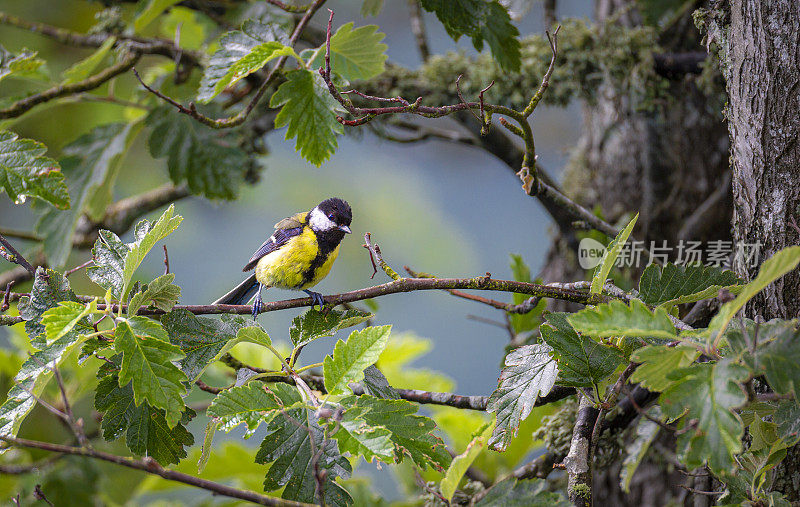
(257, 304)
(316, 299)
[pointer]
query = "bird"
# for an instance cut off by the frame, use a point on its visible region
(298, 255)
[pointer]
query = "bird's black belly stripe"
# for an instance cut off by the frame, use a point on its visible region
(328, 241)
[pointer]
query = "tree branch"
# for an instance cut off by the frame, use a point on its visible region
(578, 462)
(11, 254)
(418, 29)
(150, 466)
(90, 83)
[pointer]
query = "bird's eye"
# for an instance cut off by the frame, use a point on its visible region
(330, 216)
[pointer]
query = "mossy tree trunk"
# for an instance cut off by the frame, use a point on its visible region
(764, 122)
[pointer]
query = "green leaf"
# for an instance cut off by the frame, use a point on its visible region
(481, 20)
(146, 429)
(314, 324)
(160, 293)
(610, 257)
(85, 67)
(530, 372)
(411, 434)
(371, 7)
(359, 438)
(147, 364)
(288, 447)
(787, 417)
(204, 340)
(209, 162)
(349, 358)
(707, 393)
(772, 269)
(658, 361)
(65, 317)
(460, 464)
(26, 172)
(25, 62)
(376, 384)
(241, 53)
(310, 112)
(250, 404)
(91, 166)
(153, 9)
(355, 54)
(582, 362)
(618, 319)
(108, 254)
(646, 432)
(675, 285)
(777, 354)
(49, 288)
(147, 234)
(514, 493)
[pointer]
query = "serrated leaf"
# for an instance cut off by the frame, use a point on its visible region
(481, 20)
(49, 288)
(23, 63)
(706, 394)
(91, 165)
(314, 324)
(107, 269)
(145, 428)
(610, 257)
(356, 54)
(349, 358)
(412, 434)
(787, 417)
(207, 161)
(147, 364)
(646, 432)
(252, 404)
(146, 235)
(288, 447)
(675, 285)
(85, 67)
(618, 319)
(240, 53)
(460, 464)
(582, 362)
(376, 384)
(530, 372)
(777, 354)
(359, 438)
(65, 317)
(204, 340)
(371, 7)
(773, 268)
(658, 361)
(26, 172)
(310, 113)
(160, 293)
(530, 493)
(153, 9)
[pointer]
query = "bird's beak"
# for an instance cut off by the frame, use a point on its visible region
(345, 229)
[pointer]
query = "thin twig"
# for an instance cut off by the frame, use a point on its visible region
(418, 29)
(6, 305)
(166, 260)
(14, 256)
(150, 466)
(75, 425)
(78, 268)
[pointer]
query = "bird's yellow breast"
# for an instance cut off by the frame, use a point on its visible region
(293, 265)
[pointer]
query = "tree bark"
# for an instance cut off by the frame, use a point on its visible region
(764, 124)
(764, 104)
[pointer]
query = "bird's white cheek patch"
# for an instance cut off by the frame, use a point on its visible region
(319, 222)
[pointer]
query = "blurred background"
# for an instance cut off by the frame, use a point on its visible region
(425, 204)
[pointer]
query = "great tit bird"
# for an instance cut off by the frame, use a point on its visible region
(297, 256)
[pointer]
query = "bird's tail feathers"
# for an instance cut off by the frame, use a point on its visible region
(240, 294)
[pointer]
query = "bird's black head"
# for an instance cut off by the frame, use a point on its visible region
(330, 215)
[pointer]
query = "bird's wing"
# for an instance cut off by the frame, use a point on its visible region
(285, 230)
